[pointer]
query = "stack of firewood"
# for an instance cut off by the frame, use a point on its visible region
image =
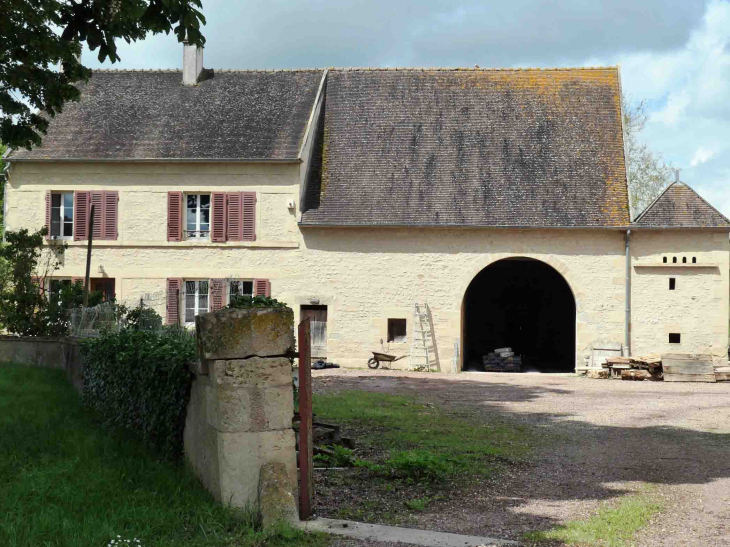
(502, 360)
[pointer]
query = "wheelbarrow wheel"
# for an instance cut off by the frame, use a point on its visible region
(373, 362)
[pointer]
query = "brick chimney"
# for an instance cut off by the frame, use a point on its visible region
(192, 64)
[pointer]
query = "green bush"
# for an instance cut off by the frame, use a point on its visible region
(140, 381)
(241, 301)
(421, 464)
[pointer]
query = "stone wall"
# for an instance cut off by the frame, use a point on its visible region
(241, 406)
(44, 352)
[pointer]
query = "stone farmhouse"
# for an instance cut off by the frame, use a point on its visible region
(499, 197)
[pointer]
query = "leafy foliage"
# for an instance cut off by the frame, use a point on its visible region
(26, 308)
(242, 301)
(648, 173)
(141, 318)
(3, 149)
(339, 456)
(37, 35)
(140, 381)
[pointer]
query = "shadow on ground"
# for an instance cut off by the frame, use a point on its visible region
(597, 443)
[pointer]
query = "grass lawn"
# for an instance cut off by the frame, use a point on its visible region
(65, 483)
(410, 455)
(614, 525)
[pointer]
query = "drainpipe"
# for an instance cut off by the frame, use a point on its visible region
(627, 320)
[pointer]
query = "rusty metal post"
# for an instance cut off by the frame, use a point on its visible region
(88, 258)
(306, 483)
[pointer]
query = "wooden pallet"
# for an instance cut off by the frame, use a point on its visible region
(686, 367)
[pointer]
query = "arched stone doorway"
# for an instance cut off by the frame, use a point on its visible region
(525, 304)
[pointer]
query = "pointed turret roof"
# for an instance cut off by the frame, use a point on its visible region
(679, 206)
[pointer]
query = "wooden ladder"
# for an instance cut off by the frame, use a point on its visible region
(418, 359)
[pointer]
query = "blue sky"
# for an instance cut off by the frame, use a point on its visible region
(673, 53)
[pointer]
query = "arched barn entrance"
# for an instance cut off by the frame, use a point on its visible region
(526, 305)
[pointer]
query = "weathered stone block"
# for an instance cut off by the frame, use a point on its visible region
(255, 371)
(277, 499)
(241, 458)
(240, 333)
(255, 409)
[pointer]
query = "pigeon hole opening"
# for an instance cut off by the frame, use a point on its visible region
(523, 304)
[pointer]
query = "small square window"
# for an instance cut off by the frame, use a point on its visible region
(672, 283)
(396, 330)
(675, 338)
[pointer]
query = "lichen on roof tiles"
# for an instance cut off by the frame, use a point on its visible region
(679, 206)
(470, 147)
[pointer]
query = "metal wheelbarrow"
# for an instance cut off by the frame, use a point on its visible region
(377, 358)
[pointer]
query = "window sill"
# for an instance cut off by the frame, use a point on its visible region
(271, 244)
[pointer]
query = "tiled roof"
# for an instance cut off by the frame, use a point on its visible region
(128, 115)
(681, 207)
(469, 147)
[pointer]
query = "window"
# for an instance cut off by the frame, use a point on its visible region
(196, 299)
(237, 287)
(396, 330)
(674, 260)
(665, 260)
(675, 338)
(694, 260)
(54, 289)
(62, 215)
(684, 260)
(672, 283)
(197, 216)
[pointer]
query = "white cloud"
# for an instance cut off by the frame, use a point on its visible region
(701, 155)
(676, 105)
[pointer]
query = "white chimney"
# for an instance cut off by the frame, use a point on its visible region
(192, 64)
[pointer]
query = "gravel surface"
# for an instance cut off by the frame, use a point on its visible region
(603, 439)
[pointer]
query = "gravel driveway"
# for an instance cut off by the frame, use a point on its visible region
(603, 439)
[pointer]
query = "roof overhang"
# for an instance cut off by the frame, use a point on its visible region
(154, 160)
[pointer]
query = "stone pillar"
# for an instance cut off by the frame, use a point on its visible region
(242, 402)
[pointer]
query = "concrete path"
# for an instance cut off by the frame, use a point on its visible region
(392, 534)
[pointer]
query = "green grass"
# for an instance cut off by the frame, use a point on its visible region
(613, 526)
(421, 437)
(65, 483)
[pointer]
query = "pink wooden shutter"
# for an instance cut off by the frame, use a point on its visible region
(235, 217)
(97, 201)
(261, 287)
(48, 214)
(111, 214)
(217, 294)
(174, 216)
(174, 287)
(218, 217)
(81, 280)
(249, 215)
(81, 215)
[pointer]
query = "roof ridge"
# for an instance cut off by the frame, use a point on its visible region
(473, 69)
(218, 70)
(363, 69)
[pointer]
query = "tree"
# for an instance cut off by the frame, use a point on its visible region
(3, 148)
(26, 308)
(38, 35)
(648, 173)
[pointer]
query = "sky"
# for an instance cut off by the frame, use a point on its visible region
(675, 54)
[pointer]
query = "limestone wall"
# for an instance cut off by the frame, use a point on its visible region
(45, 352)
(697, 308)
(241, 405)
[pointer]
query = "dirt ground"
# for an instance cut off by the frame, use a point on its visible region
(603, 439)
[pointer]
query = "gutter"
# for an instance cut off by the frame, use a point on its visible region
(518, 227)
(627, 319)
(158, 160)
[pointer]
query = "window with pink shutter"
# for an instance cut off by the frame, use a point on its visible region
(174, 216)
(249, 215)
(235, 217)
(81, 215)
(97, 202)
(217, 294)
(48, 214)
(111, 214)
(262, 287)
(174, 287)
(218, 217)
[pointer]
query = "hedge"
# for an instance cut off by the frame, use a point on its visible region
(140, 381)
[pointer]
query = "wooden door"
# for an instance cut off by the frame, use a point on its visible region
(318, 321)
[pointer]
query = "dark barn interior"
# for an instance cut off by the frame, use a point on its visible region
(524, 304)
